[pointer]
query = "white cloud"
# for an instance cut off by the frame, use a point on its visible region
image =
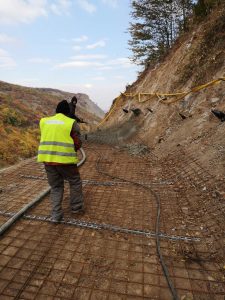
(61, 7)
(106, 67)
(6, 39)
(96, 45)
(80, 39)
(26, 11)
(77, 48)
(122, 62)
(6, 61)
(77, 64)
(98, 78)
(88, 56)
(39, 60)
(87, 6)
(21, 11)
(112, 3)
(88, 85)
(119, 77)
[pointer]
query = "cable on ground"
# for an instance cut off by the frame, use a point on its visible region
(157, 226)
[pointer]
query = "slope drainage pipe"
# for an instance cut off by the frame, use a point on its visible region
(13, 219)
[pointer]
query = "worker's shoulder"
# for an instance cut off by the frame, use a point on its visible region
(44, 118)
(69, 119)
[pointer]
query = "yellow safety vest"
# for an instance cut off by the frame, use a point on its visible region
(56, 144)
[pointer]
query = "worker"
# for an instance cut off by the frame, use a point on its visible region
(72, 105)
(60, 140)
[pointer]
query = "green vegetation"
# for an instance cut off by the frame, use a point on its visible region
(20, 112)
(12, 117)
(16, 144)
(17, 138)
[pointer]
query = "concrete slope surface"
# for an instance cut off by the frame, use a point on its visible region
(197, 58)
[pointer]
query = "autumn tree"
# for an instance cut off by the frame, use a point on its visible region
(156, 25)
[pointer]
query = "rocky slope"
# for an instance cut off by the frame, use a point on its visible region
(188, 124)
(84, 105)
(20, 111)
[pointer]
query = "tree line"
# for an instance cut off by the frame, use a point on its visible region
(158, 23)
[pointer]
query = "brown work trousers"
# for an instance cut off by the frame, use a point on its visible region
(56, 175)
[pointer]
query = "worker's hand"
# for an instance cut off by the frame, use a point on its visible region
(77, 148)
(77, 141)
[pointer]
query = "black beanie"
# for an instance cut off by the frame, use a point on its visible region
(74, 99)
(63, 108)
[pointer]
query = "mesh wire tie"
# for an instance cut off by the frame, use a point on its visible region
(29, 216)
(109, 227)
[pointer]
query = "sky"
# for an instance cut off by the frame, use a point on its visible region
(79, 46)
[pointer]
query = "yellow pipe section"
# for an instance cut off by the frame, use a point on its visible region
(181, 94)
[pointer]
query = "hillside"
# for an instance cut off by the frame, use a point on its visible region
(84, 105)
(186, 124)
(20, 111)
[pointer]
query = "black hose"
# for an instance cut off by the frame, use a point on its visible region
(157, 225)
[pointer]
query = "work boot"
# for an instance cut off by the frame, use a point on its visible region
(78, 210)
(56, 219)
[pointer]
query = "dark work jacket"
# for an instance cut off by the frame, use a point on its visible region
(72, 113)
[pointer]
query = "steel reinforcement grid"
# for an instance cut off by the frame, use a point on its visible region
(112, 252)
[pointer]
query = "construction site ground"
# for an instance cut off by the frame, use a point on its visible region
(110, 251)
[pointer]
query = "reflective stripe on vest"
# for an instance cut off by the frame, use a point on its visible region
(56, 144)
(57, 153)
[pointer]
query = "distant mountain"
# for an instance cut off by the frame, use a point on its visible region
(20, 111)
(84, 102)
